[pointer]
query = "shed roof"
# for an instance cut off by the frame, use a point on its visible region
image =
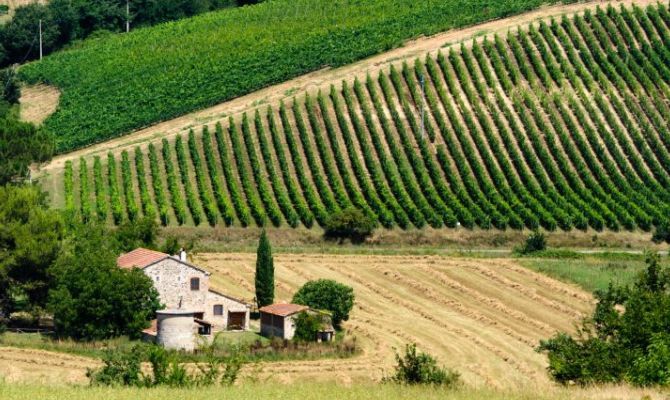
(140, 258)
(283, 310)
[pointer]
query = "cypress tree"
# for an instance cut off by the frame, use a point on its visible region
(265, 273)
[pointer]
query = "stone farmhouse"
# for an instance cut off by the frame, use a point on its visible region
(184, 286)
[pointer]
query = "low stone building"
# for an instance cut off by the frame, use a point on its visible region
(278, 320)
(184, 286)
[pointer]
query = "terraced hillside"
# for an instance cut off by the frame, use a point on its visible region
(562, 125)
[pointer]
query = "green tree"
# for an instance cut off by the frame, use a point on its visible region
(350, 223)
(20, 34)
(30, 241)
(93, 298)
(21, 144)
(9, 89)
(326, 294)
(265, 272)
(625, 338)
(139, 233)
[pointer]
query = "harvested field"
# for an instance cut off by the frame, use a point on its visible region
(39, 366)
(38, 102)
(481, 317)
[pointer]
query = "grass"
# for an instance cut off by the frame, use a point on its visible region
(592, 272)
(308, 391)
(249, 345)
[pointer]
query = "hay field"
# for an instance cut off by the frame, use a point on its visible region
(481, 317)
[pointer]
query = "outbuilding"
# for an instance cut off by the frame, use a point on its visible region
(278, 320)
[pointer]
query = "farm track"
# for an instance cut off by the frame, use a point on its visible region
(462, 311)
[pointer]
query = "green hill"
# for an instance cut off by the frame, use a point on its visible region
(564, 125)
(114, 85)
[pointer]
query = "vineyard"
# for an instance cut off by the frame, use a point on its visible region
(113, 85)
(564, 125)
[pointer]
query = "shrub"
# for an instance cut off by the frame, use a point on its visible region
(421, 369)
(625, 338)
(326, 294)
(307, 326)
(350, 223)
(662, 233)
(125, 369)
(535, 242)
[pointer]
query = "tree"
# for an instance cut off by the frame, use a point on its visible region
(421, 369)
(21, 144)
(265, 273)
(326, 294)
(534, 242)
(30, 241)
(350, 223)
(20, 34)
(661, 233)
(139, 233)
(10, 90)
(92, 297)
(625, 338)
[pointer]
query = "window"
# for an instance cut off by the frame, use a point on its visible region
(195, 283)
(218, 309)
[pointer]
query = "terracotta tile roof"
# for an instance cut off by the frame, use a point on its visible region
(283, 310)
(139, 258)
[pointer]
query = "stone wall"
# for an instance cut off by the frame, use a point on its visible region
(221, 322)
(172, 279)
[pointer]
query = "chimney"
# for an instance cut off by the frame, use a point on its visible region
(182, 254)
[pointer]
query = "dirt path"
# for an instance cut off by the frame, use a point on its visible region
(322, 79)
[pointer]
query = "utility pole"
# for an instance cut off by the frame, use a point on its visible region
(127, 16)
(40, 39)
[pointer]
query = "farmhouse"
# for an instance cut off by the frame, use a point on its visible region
(278, 320)
(184, 286)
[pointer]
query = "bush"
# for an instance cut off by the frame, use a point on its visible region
(125, 369)
(307, 326)
(421, 369)
(350, 223)
(535, 242)
(624, 340)
(662, 233)
(326, 294)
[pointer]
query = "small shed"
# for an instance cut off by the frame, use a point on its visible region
(278, 320)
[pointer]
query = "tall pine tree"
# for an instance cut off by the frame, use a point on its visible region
(265, 273)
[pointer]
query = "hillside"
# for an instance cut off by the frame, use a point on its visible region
(562, 125)
(480, 317)
(113, 85)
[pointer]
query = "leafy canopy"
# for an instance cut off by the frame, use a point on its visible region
(626, 338)
(326, 294)
(94, 299)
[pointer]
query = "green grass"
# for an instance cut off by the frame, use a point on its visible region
(115, 84)
(591, 273)
(249, 345)
(299, 390)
